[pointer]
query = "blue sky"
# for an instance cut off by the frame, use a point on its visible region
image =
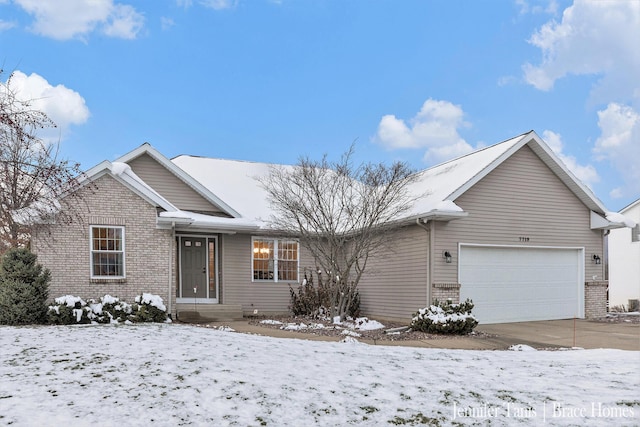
(419, 81)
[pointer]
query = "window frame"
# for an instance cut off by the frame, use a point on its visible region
(275, 241)
(635, 233)
(93, 251)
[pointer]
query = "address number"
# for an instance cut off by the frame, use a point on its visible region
(524, 239)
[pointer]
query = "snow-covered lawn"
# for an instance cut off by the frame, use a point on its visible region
(169, 374)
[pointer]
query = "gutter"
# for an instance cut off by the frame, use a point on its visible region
(428, 227)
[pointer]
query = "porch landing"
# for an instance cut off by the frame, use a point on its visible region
(203, 313)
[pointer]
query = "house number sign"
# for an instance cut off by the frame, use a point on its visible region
(524, 239)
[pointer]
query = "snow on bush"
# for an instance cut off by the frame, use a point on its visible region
(152, 300)
(445, 318)
(70, 309)
(150, 308)
(110, 310)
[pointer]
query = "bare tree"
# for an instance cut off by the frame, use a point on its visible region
(32, 177)
(343, 214)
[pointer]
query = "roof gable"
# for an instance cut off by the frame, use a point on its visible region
(204, 192)
(449, 180)
(122, 173)
(630, 207)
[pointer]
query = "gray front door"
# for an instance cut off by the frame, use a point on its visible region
(193, 265)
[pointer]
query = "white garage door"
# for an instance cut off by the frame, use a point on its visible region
(513, 284)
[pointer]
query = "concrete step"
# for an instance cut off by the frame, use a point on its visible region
(204, 313)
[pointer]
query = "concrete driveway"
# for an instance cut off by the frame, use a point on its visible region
(566, 333)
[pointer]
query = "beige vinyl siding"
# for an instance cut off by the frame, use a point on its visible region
(170, 186)
(520, 198)
(395, 283)
(237, 286)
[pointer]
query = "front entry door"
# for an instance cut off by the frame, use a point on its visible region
(194, 267)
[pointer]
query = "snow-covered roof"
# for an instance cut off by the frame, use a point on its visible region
(233, 181)
(234, 186)
(435, 189)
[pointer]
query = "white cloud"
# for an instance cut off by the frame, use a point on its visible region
(6, 25)
(593, 38)
(538, 6)
(166, 23)
(619, 143)
(435, 128)
(124, 22)
(219, 4)
(67, 19)
(63, 105)
(585, 173)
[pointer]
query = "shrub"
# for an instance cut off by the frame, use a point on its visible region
(110, 310)
(314, 301)
(24, 288)
(150, 308)
(69, 310)
(445, 318)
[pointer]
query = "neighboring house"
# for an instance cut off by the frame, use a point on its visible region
(624, 260)
(507, 226)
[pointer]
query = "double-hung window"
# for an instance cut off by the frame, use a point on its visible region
(107, 252)
(275, 259)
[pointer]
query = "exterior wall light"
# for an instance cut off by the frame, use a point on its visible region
(447, 257)
(597, 259)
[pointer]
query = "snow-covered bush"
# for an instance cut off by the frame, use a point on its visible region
(110, 310)
(69, 310)
(445, 318)
(24, 288)
(150, 308)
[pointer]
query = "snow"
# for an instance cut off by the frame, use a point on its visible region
(119, 168)
(151, 299)
(620, 219)
(69, 300)
(169, 375)
(236, 182)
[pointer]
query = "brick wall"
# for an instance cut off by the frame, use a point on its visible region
(445, 291)
(65, 250)
(595, 299)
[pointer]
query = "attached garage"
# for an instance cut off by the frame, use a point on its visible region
(516, 284)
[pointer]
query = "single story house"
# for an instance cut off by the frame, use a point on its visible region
(624, 260)
(508, 226)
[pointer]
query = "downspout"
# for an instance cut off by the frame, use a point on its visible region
(428, 228)
(605, 257)
(173, 239)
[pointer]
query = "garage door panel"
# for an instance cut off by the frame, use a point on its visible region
(521, 284)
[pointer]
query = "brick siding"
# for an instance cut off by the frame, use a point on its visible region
(595, 299)
(65, 249)
(445, 291)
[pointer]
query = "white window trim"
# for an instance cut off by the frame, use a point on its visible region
(275, 241)
(91, 251)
